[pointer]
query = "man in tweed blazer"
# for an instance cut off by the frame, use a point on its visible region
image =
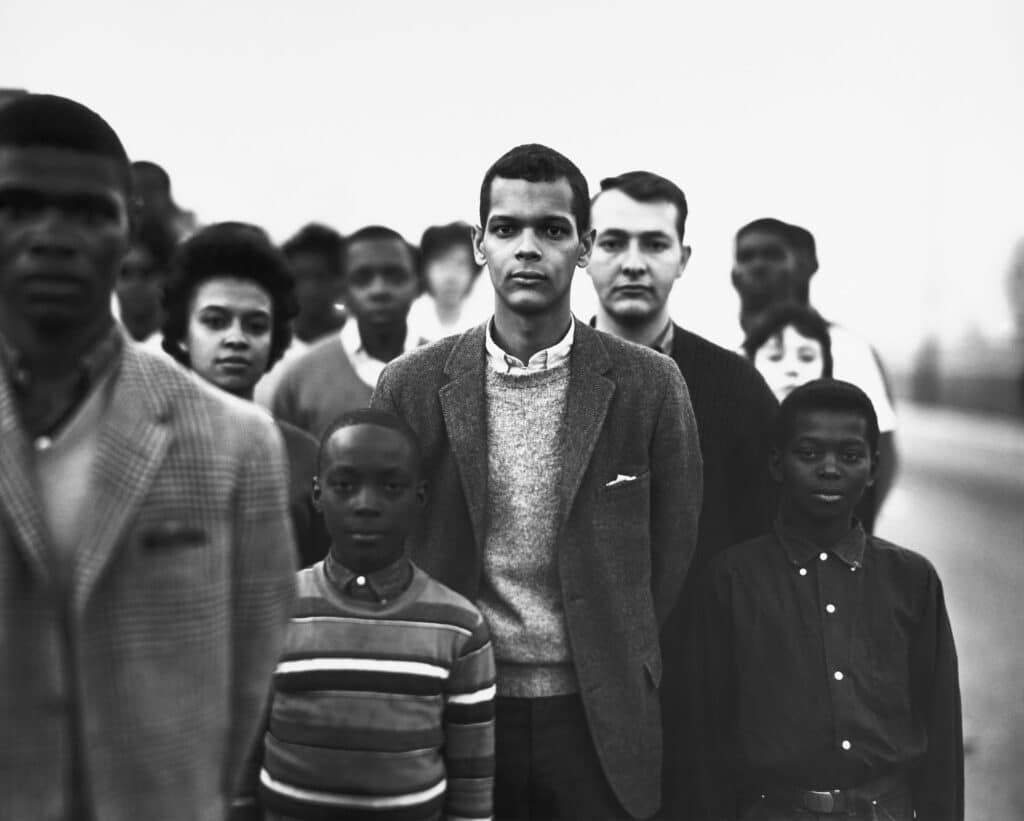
(145, 545)
(564, 484)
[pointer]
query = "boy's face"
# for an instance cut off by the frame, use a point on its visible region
(380, 281)
(825, 466)
(531, 245)
(369, 492)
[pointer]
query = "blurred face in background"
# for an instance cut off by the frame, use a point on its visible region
(765, 269)
(229, 333)
(138, 290)
(317, 289)
(449, 275)
(789, 359)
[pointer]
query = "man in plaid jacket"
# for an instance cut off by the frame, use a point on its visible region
(145, 546)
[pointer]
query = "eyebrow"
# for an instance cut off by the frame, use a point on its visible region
(547, 218)
(621, 232)
(105, 201)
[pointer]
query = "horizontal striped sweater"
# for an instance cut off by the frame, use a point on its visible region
(381, 710)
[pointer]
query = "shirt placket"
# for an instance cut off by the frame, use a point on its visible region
(837, 583)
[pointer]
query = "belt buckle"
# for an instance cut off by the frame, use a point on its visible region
(823, 801)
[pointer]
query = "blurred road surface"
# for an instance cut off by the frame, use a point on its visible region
(959, 500)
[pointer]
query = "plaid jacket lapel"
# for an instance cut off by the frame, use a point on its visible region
(133, 439)
(19, 495)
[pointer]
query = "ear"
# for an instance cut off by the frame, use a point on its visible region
(478, 246)
(586, 248)
(421, 493)
(684, 259)
(775, 465)
(316, 492)
(874, 469)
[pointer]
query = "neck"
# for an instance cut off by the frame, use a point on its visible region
(312, 329)
(447, 314)
(822, 532)
(383, 342)
(643, 332)
(53, 352)
(523, 336)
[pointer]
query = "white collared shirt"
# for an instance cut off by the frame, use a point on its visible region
(503, 362)
(367, 367)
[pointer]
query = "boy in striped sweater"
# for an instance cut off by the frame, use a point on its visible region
(383, 702)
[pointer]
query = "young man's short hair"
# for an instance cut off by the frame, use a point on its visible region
(827, 395)
(157, 238)
(322, 240)
(807, 322)
(769, 225)
(232, 249)
(379, 233)
(645, 186)
(538, 163)
(371, 416)
(49, 121)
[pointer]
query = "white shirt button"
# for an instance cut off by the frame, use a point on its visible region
(830, 608)
(838, 675)
(43, 443)
(846, 744)
(853, 569)
(803, 571)
(823, 556)
(360, 580)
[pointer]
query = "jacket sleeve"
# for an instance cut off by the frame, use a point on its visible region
(383, 395)
(263, 589)
(677, 487)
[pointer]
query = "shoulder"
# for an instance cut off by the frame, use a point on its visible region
(746, 557)
(426, 364)
(902, 561)
(447, 606)
(705, 363)
(628, 360)
(316, 356)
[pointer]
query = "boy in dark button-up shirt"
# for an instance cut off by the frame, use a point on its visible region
(829, 676)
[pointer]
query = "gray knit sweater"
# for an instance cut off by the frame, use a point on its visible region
(520, 595)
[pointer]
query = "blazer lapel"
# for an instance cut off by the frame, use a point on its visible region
(589, 395)
(19, 494)
(465, 418)
(133, 439)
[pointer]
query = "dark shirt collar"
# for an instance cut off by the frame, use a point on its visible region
(800, 550)
(662, 343)
(43, 411)
(380, 586)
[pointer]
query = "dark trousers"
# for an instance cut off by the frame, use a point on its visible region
(546, 764)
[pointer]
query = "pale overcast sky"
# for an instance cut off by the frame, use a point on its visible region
(892, 130)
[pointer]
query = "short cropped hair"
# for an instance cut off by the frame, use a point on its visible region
(322, 240)
(371, 416)
(769, 225)
(233, 249)
(158, 171)
(538, 163)
(645, 186)
(379, 233)
(825, 394)
(807, 321)
(49, 121)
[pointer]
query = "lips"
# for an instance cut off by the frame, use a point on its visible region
(633, 290)
(234, 363)
(827, 496)
(527, 276)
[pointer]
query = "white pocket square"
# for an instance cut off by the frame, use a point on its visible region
(621, 479)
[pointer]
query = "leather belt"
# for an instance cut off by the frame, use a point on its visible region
(847, 800)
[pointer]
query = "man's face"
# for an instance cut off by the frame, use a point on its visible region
(638, 255)
(64, 231)
(369, 492)
(138, 289)
(825, 466)
(380, 281)
(531, 246)
(317, 287)
(765, 269)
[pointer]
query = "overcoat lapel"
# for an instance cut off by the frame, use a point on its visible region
(19, 496)
(589, 395)
(132, 442)
(465, 417)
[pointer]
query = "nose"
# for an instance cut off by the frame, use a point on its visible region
(364, 502)
(829, 466)
(634, 263)
(51, 236)
(528, 246)
(235, 337)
